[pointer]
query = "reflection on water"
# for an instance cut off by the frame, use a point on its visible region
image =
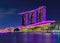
(18, 37)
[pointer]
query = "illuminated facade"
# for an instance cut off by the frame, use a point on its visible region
(33, 16)
(33, 21)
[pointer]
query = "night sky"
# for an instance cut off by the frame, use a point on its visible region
(9, 10)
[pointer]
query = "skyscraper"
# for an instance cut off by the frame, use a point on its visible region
(33, 16)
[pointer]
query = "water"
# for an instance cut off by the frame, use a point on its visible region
(18, 37)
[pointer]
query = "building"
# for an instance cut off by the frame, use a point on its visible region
(33, 21)
(35, 18)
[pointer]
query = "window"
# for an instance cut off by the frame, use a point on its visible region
(31, 18)
(23, 20)
(40, 15)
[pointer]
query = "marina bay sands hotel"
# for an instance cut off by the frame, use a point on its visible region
(34, 16)
(34, 20)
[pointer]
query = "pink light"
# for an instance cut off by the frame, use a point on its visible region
(2, 31)
(40, 23)
(43, 22)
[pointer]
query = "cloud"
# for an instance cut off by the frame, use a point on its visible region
(7, 12)
(4, 12)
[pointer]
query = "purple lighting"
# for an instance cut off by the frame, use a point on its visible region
(44, 22)
(39, 23)
(41, 15)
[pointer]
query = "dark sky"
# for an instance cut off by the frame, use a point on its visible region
(9, 10)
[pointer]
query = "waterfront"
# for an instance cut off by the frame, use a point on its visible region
(18, 37)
